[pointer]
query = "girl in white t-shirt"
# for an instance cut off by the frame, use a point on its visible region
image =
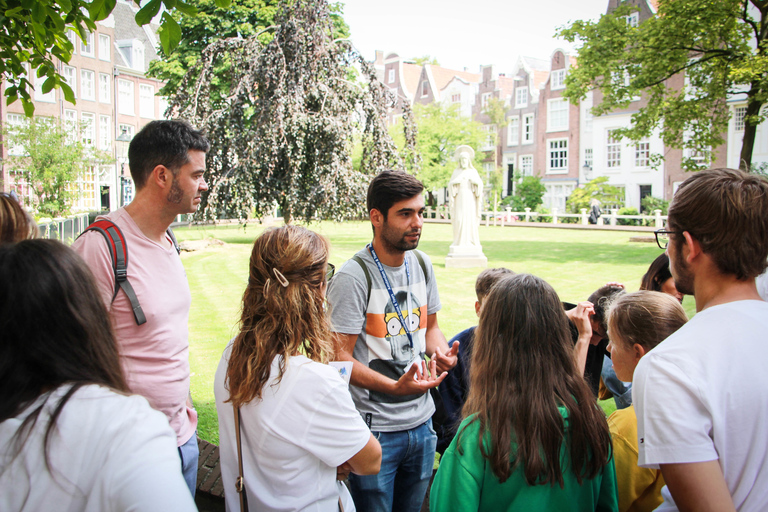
(71, 436)
(298, 426)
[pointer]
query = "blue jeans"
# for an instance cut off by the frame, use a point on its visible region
(188, 453)
(407, 458)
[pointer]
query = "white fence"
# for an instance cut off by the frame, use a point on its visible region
(65, 229)
(507, 217)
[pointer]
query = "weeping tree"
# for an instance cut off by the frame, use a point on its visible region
(283, 134)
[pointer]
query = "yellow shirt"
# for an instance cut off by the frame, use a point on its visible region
(639, 488)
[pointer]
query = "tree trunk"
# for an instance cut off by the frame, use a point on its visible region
(287, 214)
(750, 130)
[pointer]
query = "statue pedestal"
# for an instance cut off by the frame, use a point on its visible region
(465, 257)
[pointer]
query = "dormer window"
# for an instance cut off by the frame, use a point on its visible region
(132, 51)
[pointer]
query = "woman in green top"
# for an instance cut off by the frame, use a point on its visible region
(533, 437)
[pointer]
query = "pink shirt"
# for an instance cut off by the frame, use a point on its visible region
(155, 355)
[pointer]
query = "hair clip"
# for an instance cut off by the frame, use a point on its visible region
(280, 278)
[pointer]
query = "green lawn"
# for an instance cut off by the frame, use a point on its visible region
(575, 262)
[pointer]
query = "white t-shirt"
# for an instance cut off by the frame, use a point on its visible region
(762, 285)
(700, 396)
(292, 440)
(108, 452)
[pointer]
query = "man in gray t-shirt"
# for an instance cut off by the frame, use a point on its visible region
(390, 380)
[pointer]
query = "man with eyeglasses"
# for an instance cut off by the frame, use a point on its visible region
(696, 419)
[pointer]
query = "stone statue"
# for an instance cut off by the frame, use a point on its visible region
(465, 192)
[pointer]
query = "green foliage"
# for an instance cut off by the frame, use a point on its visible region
(650, 203)
(35, 34)
(44, 150)
(628, 210)
(596, 189)
(717, 44)
(282, 122)
(426, 59)
(528, 194)
(441, 129)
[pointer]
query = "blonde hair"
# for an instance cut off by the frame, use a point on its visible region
(645, 318)
(15, 223)
(282, 309)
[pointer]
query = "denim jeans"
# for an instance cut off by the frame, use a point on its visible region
(188, 453)
(621, 391)
(407, 458)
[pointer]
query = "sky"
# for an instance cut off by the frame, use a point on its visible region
(467, 33)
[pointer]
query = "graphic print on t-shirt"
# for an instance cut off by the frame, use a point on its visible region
(392, 351)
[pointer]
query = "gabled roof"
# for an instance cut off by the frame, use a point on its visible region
(409, 78)
(443, 76)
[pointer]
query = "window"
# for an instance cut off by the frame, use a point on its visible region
(391, 78)
(126, 101)
(50, 96)
(513, 130)
(88, 128)
(138, 55)
(588, 157)
(70, 122)
(86, 188)
(71, 78)
(613, 150)
(104, 88)
(147, 101)
(588, 120)
(74, 39)
(521, 97)
(86, 46)
(125, 131)
(455, 98)
(87, 87)
(484, 99)
(425, 88)
(739, 116)
(105, 47)
(490, 137)
(526, 165)
(557, 115)
(163, 107)
(557, 160)
(105, 133)
(528, 129)
(642, 154)
(558, 79)
(16, 121)
(633, 19)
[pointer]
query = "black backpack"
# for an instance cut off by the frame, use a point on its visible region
(118, 250)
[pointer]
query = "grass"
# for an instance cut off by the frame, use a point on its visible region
(574, 262)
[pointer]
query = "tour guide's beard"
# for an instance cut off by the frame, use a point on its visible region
(407, 242)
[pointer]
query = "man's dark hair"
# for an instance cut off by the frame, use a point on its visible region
(389, 187)
(725, 211)
(163, 143)
(602, 299)
(487, 278)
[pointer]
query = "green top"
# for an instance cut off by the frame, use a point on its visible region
(466, 482)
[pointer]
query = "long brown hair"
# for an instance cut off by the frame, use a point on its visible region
(523, 369)
(15, 224)
(282, 309)
(56, 331)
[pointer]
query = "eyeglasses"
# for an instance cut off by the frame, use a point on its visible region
(662, 237)
(329, 273)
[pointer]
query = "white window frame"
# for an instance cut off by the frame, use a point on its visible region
(513, 130)
(558, 79)
(391, 77)
(456, 97)
(484, 99)
(643, 154)
(105, 47)
(137, 55)
(162, 107)
(15, 121)
(126, 97)
(105, 132)
(87, 86)
(88, 128)
(74, 38)
(70, 76)
(739, 118)
(557, 115)
(86, 47)
(490, 137)
(528, 129)
(50, 96)
(588, 157)
(633, 20)
(105, 88)
(521, 97)
(424, 88)
(526, 165)
(128, 129)
(146, 101)
(557, 156)
(612, 150)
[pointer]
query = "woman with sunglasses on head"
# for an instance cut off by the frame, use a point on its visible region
(71, 436)
(533, 437)
(298, 426)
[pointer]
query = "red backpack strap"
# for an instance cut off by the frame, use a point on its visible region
(118, 250)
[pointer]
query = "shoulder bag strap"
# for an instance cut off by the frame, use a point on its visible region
(363, 266)
(239, 481)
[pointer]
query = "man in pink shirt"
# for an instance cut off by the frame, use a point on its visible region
(167, 162)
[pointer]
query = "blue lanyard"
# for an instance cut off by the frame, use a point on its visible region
(395, 304)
